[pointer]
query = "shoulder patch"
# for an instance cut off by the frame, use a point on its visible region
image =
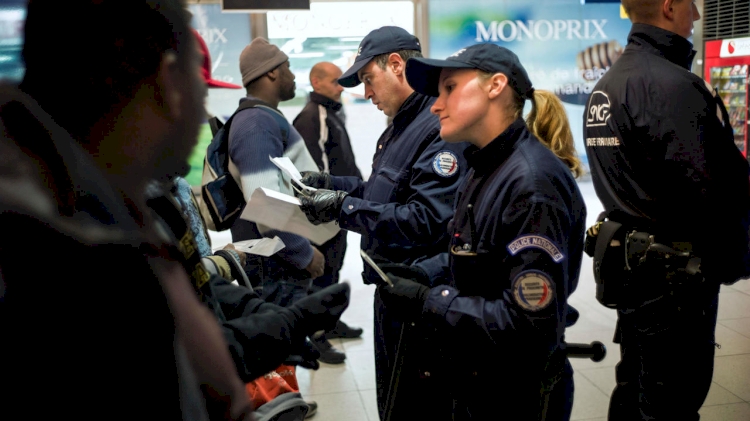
(536, 241)
(532, 290)
(445, 163)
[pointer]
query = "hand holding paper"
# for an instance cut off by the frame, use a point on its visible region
(319, 180)
(322, 206)
(287, 167)
(282, 212)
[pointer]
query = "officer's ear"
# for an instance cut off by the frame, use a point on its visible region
(667, 9)
(396, 64)
(496, 85)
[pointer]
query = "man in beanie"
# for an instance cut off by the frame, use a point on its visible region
(254, 136)
(402, 211)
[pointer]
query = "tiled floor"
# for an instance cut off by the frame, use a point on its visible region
(347, 392)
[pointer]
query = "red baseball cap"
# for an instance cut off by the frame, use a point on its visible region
(206, 70)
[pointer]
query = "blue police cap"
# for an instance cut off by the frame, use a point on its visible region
(424, 74)
(387, 39)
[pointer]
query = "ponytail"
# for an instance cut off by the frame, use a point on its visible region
(548, 121)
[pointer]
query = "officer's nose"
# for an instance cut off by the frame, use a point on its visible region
(438, 106)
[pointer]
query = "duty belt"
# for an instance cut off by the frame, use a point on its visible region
(641, 248)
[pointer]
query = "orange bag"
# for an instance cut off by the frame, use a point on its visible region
(277, 382)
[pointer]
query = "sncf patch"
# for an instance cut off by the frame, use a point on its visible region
(532, 290)
(535, 241)
(445, 163)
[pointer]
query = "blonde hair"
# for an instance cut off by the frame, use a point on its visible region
(548, 121)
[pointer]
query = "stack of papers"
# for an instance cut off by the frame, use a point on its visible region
(282, 212)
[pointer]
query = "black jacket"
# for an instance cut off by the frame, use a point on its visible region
(80, 306)
(328, 143)
(661, 159)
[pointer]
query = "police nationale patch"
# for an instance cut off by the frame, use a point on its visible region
(445, 163)
(536, 241)
(532, 290)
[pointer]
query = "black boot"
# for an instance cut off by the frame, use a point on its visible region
(328, 354)
(342, 330)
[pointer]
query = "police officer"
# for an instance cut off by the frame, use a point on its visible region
(664, 165)
(496, 329)
(402, 211)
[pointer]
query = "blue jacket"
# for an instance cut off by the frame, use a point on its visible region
(403, 210)
(515, 256)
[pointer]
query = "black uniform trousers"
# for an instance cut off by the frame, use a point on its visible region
(405, 397)
(667, 346)
(414, 398)
(387, 333)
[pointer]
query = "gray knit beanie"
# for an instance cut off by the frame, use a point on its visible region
(259, 57)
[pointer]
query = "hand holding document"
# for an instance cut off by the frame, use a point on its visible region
(281, 211)
(287, 167)
(265, 247)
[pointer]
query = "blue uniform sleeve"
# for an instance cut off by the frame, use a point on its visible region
(533, 272)
(354, 186)
(423, 217)
(436, 268)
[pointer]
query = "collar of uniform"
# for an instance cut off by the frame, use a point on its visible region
(409, 110)
(665, 43)
(495, 153)
(324, 101)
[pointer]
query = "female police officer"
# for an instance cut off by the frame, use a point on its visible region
(496, 329)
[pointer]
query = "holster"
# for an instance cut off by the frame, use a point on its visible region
(610, 271)
(620, 253)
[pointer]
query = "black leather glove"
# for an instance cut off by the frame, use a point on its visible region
(319, 180)
(405, 299)
(415, 273)
(322, 206)
(320, 310)
(304, 355)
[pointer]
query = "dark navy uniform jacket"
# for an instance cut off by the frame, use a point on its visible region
(403, 210)
(660, 156)
(515, 257)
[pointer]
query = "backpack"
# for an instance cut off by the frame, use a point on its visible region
(221, 189)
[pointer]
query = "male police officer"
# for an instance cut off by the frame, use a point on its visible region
(664, 164)
(403, 210)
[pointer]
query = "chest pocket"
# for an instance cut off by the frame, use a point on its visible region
(477, 273)
(385, 185)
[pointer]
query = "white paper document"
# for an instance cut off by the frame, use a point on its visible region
(281, 211)
(265, 247)
(287, 167)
